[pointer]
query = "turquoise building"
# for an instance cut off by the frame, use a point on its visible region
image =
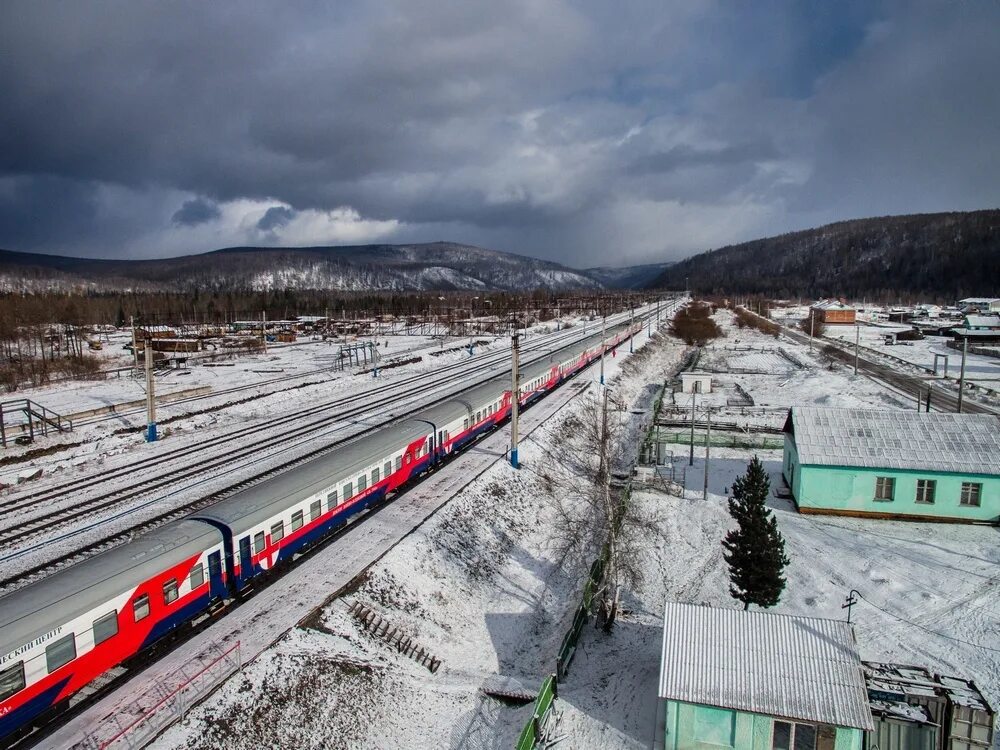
(736, 680)
(893, 464)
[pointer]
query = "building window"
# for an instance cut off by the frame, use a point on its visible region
(925, 490)
(140, 607)
(197, 576)
(60, 653)
(314, 510)
(972, 493)
(296, 521)
(170, 591)
(11, 680)
(789, 736)
(105, 627)
(885, 488)
(258, 542)
(277, 532)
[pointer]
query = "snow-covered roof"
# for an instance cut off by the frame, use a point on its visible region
(921, 684)
(978, 300)
(982, 321)
(962, 443)
(802, 668)
(831, 304)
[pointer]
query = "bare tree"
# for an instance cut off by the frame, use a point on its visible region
(592, 517)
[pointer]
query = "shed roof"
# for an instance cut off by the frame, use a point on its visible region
(802, 668)
(983, 321)
(879, 439)
(831, 304)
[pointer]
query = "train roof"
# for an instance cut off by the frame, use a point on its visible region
(39, 607)
(248, 508)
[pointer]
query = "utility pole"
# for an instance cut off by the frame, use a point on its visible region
(604, 469)
(708, 447)
(604, 321)
(515, 402)
(631, 324)
(961, 374)
(150, 395)
(694, 393)
(263, 329)
(812, 327)
(857, 345)
(135, 352)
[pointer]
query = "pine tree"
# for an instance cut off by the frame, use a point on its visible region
(755, 550)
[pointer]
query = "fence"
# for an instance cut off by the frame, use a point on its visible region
(724, 440)
(534, 730)
(137, 724)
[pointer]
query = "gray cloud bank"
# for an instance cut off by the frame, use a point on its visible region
(583, 132)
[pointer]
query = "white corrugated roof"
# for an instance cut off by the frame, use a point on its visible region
(831, 304)
(983, 321)
(802, 668)
(961, 443)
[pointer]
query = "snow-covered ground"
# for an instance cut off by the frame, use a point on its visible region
(479, 586)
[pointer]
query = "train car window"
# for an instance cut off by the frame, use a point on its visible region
(296, 520)
(376, 476)
(60, 653)
(465, 423)
(197, 576)
(106, 627)
(278, 532)
(387, 469)
(170, 591)
(314, 510)
(348, 491)
(399, 463)
(362, 483)
(258, 542)
(140, 607)
(331, 500)
(11, 680)
(479, 416)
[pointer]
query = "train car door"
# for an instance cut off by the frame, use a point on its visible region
(246, 560)
(216, 584)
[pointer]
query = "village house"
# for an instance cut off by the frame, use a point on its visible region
(893, 464)
(833, 312)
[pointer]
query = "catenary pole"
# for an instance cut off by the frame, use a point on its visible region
(515, 401)
(150, 395)
(604, 321)
(708, 447)
(857, 346)
(693, 394)
(961, 374)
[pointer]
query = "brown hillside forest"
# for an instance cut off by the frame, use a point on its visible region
(923, 257)
(44, 336)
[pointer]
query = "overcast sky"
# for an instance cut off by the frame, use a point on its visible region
(585, 132)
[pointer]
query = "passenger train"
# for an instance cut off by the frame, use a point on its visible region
(59, 634)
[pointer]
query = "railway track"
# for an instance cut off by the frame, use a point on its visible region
(15, 536)
(450, 372)
(900, 382)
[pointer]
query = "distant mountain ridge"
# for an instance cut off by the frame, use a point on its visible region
(435, 266)
(943, 255)
(629, 277)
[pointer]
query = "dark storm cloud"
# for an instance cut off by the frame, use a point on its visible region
(558, 128)
(275, 218)
(196, 211)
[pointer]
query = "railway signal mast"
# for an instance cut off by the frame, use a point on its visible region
(515, 401)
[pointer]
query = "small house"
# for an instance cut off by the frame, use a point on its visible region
(980, 304)
(915, 709)
(737, 680)
(833, 312)
(696, 382)
(893, 464)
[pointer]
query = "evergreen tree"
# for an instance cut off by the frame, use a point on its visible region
(755, 550)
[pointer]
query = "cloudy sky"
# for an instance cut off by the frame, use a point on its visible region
(581, 131)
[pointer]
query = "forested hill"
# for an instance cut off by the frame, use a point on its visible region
(933, 256)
